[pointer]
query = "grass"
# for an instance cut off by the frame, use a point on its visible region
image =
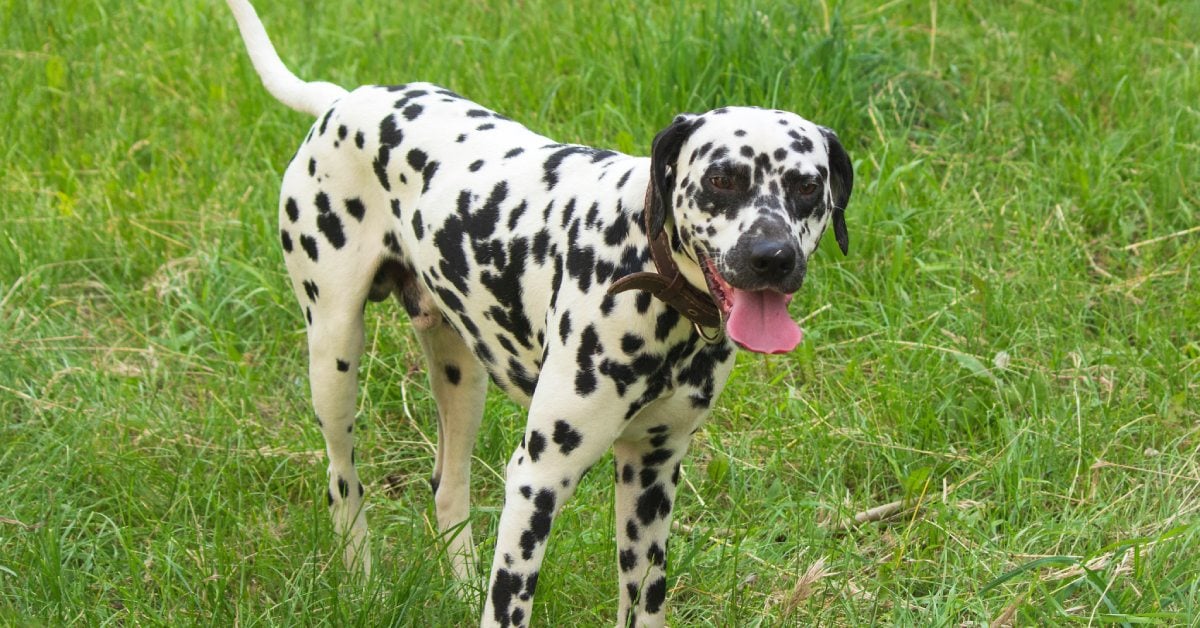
(1012, 349)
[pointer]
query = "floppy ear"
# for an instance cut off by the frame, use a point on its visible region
(663, 154)
(841, 183)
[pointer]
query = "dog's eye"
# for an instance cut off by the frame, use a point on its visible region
(721, 182)
(808, 188)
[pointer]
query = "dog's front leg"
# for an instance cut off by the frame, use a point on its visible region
(572, 422)
(647, 477)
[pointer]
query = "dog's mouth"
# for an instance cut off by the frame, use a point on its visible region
(757, 320)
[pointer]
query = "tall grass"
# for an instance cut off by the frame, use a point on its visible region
(1011, 350)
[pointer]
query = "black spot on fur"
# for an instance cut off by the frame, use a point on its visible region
(418, 225)
(539, 523)
(515, 214)
(617, 231)
(507, 288)
(328, 222)
(665, 323)
(530, 586)
(484, 353)
(505, 587)
(293, 210)
(628, 560)
(286, 240)
(656, 555)
(343, 366)
(541, 246)
(585, 377)
(412, 111)
(647, 476)
(656, 594)
(537, 444)
(801, 144)
(644, 299)
(520, 377)
(607, 304)
(453, 375)
(566, 437)
(390, 135)
(624, 179)
(417, 159)
(449, 241)
(355, 208)
(564, 327)
(380, 166)
(427, 173)
(392, 244)
(657, 457)
(311, 289)
(309, 244)
(653, 504)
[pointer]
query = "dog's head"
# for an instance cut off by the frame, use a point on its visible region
(747, 194)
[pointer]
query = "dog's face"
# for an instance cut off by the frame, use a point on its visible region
(749, 193)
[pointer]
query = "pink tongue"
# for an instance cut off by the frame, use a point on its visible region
(759, 321)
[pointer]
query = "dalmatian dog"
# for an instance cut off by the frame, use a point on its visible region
(604, 292)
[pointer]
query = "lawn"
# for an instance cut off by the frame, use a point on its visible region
(1009, 356)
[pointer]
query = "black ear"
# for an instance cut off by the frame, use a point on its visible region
(663, 154)
(841, 183)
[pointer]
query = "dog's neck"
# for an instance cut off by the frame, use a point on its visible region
(668, 284)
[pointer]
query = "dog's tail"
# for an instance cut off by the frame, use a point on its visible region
(312, 98)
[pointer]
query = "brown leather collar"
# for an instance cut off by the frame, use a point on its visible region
(668, 284)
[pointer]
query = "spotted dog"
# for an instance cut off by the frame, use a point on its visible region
(606, 293)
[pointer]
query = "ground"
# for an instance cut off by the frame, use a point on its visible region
(1011, 350)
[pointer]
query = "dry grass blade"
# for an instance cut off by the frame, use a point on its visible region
(870, 515)
(1007, 618)
(803, 588)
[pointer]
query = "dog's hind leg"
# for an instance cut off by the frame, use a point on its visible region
(459, 384)
(335, 344)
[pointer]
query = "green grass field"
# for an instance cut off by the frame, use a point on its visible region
(1011, 350)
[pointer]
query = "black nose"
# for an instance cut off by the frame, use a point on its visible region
(773, 259)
